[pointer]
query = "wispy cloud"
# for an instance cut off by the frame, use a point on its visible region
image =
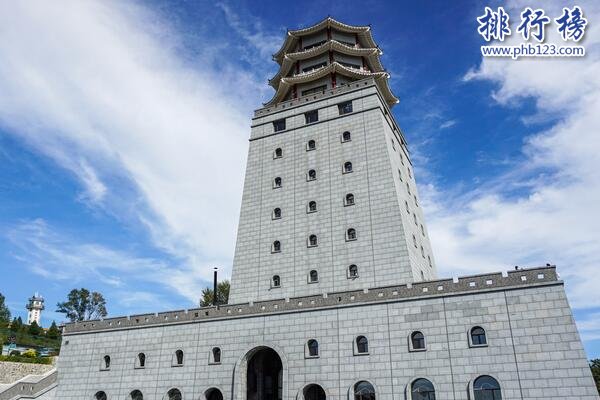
(542, 209)
(150, 139)
(59, 257)
(448, 124)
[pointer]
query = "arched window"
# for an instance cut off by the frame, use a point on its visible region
(314, 392)
(136, 395)
(312, 241)
(216, 355)
(100, 396)
(106, 362)
(311, 145)
(179, 357)
(349, 199)
(277, 213)
(278, 153)
(486, 388)
(277, 182)
(312, 175)
(478, 337)
(174, 394)
(313, 348)
(363, 390)
(213, 394)
(351, 234)
(347, 167)
(352, 271)
(276, 248)
(141, 360)
(276, 281)
(417, 341)
(312, 206)
(313, 276)
(362, 345)
(422, 389)
(346, 136)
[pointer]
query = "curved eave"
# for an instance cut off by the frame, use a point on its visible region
(371, 54)
(381, 79)
(363, 32)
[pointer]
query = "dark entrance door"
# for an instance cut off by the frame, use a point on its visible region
(264, 376)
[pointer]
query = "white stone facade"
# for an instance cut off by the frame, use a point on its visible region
(392, 244)
(533, 348)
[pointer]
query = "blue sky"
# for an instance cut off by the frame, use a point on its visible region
(124, 126)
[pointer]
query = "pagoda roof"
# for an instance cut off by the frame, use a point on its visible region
(381, 79)
(371, 54)
(363, 33)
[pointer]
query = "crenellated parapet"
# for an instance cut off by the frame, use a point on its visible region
(467, 285)
(325, 56)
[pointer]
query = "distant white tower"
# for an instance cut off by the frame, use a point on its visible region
(35, 307)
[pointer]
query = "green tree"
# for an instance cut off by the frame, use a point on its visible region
(222, 294)
(34, 329)
(4, 312)
(83, 305)
(595, 367)
(53, 332)
(16, 325)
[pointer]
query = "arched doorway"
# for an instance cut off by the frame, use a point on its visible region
(313, 392)
(264, 378)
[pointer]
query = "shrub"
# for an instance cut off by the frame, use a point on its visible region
(30, 353)
(15, 353)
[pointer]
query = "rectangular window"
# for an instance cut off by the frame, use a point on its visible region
(317, 89)
(349, 65)
(317, 44)
(311, 116)
(345, 107)
(313, 67)
(279, 125)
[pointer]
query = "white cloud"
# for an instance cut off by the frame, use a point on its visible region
(448, 124)
(63, 258)
(545, 208)
(95, 86)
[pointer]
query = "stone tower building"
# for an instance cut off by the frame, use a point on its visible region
(330, 201)
(334, 292)
(35, 305)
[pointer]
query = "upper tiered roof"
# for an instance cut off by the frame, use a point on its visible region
(290, 55)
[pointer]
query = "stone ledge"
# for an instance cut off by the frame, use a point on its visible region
(516, 279)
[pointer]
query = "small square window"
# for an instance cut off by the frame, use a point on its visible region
(311, 116)
(345, 107)
(311, 145)
(279, 125)
(346, 137)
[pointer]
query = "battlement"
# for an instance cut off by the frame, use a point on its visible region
(465, 285)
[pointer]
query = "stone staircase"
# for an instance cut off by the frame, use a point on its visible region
(31, 387)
